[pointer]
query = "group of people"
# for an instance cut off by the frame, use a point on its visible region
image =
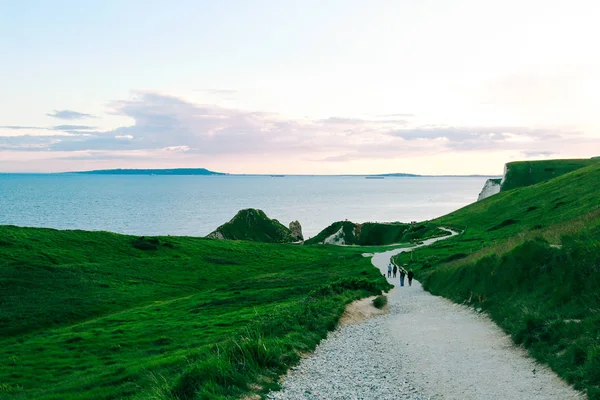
(393, 269)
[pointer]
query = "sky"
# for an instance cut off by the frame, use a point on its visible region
(297, 87)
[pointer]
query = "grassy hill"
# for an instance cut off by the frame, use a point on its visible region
(530, 258)
(526, 173)
(254, 225)
(375, 234)
(98, 315)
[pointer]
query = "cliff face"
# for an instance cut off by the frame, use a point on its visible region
(254, 225)
(526, 173)
(491, 187)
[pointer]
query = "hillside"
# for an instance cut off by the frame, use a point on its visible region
(529, 257)
(100, 315)
(374, 234)
(254, 225)
(526, 173)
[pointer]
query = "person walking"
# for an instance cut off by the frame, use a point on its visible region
(402, 275)
(394, 270)
(389, 270)
(410, 276)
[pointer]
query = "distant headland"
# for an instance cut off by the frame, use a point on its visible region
(174, 171)
(204, 171)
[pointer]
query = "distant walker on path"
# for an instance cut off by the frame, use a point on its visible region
(410, 276)
(389, 270)
(395, 270)
(402, 275)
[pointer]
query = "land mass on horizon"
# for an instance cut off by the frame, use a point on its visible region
(204, 171)
(172, 171)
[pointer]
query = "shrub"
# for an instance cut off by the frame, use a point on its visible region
(380, 301)
(144, 243)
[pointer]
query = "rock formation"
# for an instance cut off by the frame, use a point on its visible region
(296, 231)
(491, 187)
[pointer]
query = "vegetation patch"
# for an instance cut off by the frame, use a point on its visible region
(558, 204)
(505, 223)
(146, 243)
(380, 301)
(527, 173)
(204, 319)
(254, 225)
(375, 234)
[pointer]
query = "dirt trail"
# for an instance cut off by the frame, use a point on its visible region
(426, 347)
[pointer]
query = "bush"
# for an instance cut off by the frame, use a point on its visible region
(380, 301)
(144, 243)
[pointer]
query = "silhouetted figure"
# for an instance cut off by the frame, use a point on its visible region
(395, 270)
(410, 276)
(402, 275)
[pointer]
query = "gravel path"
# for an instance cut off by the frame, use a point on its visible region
(426, 347)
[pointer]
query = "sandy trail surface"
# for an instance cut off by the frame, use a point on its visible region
(426, 347)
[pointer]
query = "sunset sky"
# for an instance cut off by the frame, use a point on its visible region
(310, 87)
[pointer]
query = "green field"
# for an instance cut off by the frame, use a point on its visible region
(96, 315)
(527, 173)
(530, 257)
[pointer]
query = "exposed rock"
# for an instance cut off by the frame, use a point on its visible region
(491, 187)
(215, 235)
(336, 239)
(296, 231)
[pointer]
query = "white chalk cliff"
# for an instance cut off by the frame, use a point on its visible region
(491, 187)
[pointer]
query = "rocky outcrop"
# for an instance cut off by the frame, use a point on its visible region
(215, 235)
(254, 225)
(296, 231)
(491, 187)
(336, 239)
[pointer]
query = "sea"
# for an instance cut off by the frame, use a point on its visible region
(197, 205)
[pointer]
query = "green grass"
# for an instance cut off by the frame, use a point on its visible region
(530, 257)
(526, 173)
(378, 234)
(91, 315)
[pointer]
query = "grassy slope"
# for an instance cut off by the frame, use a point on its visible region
(254, 225)
(547, 298)
(378, 234)
(526, 173)
(88, 315)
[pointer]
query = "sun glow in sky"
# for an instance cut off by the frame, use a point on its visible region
(314, 87)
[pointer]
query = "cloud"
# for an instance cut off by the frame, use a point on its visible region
(168, 126)
(177, 148)
(73, 128)
(28, 142)
(485, 137)
(18, 127)
(539, 153)
(69, 114)
(397, 115)
(225, 92)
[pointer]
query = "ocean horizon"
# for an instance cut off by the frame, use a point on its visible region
(195, 205)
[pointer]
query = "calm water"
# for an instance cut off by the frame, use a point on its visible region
(196, 205)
